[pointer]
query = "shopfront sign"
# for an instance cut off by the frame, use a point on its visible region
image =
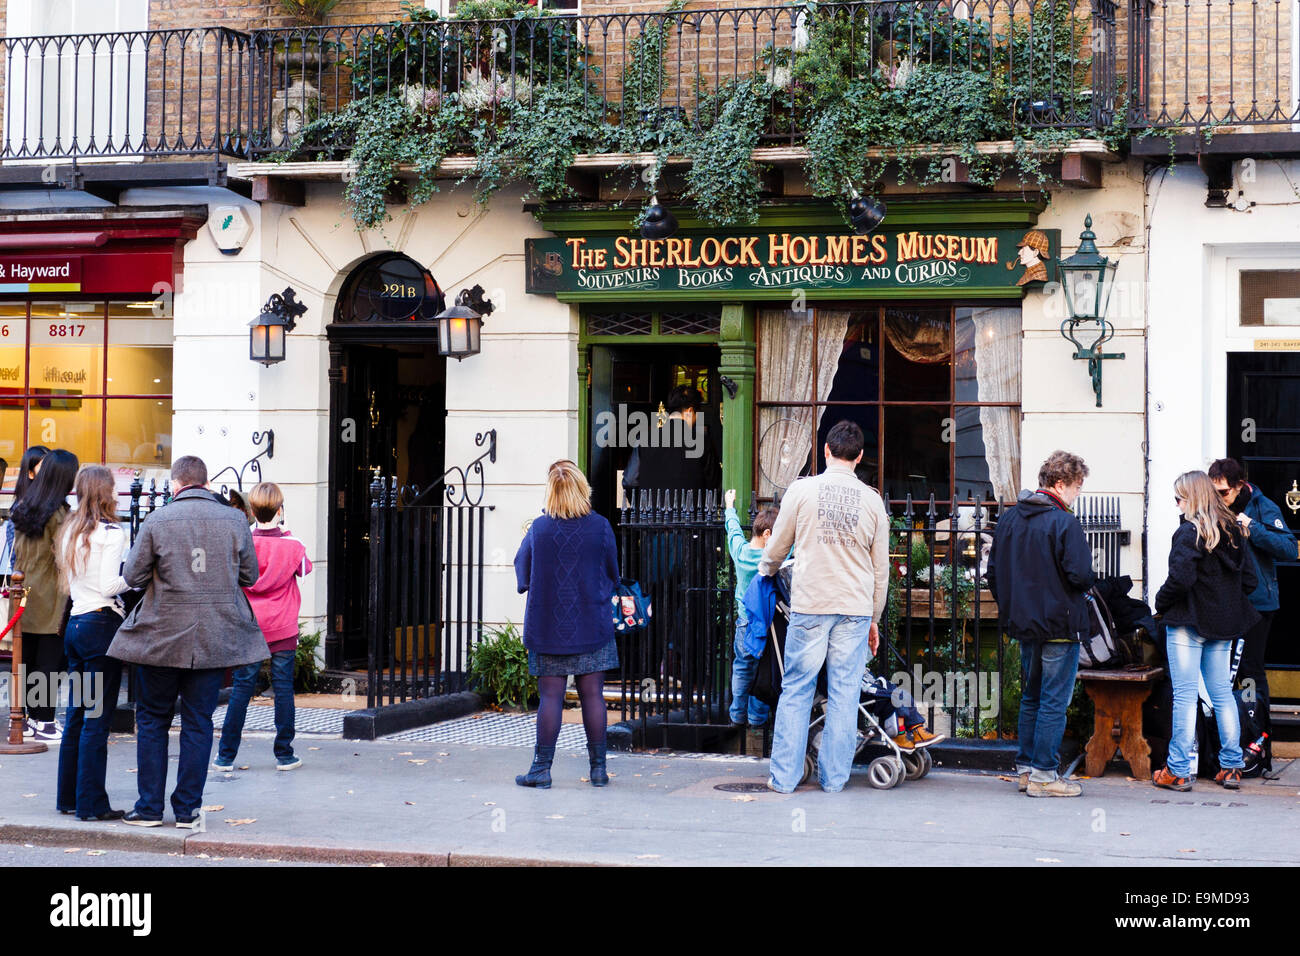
(25, 274)
(911, 262)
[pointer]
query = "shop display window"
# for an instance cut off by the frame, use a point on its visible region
(93, 377)
(935, 388)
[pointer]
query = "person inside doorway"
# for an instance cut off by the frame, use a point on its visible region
(680, 454)
(1270, 541)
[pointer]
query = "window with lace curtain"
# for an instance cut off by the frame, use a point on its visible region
(935, 388)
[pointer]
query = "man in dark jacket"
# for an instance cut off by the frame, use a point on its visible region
(679, 455)
(192, 557)
(1270, 541)
(1039, 571)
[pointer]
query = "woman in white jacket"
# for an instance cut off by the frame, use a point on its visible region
(92, 546)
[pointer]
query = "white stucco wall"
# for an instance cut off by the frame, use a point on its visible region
(523, 383)
(1195, 254)
(1057, 398)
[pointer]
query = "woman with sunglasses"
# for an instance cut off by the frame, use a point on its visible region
(1270, 541)
(1205, 608)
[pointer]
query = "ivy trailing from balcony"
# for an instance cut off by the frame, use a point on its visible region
(865, 88)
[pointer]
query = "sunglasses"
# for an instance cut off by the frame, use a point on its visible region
(1224, 492)
(1178, 499)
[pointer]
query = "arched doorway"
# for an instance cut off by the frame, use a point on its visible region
(387, 420)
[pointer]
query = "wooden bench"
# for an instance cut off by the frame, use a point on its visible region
(1117, 697)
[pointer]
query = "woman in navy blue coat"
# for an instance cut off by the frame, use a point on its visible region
(568, 565)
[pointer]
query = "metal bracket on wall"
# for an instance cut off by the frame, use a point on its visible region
(252, 464)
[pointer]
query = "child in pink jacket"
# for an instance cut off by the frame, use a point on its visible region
(276, 600)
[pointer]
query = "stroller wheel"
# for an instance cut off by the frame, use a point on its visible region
(884, 773)
(916, 764)
(809, 767)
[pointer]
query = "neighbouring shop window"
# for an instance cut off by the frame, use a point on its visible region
(701, 321)
(92, 377)
(1270, 296)
(934, 387)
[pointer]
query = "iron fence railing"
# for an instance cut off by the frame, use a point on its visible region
(1207, 64)
(1048, 63)
(940, 636)
(144, 93)
(424, 574)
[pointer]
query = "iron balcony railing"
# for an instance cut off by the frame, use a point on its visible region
(1213, 64)
(1048, 63)
(1068, 64)
(145, 93)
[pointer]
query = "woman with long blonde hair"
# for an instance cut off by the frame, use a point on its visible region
(1205, 606)
(91, 548)
(568, 565)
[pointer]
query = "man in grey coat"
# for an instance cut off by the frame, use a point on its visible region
(192, 557)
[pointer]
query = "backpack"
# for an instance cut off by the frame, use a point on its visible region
(630, 608)
(766, 685)
(1101, 649)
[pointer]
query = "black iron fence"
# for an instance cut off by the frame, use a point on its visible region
(1214, 63)
(1043, 63)
(674, 545)
(145, 93)
(424, 603)
(939, 635)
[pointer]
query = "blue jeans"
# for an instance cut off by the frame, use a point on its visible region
(1192, 657)
(83, 754)
(159, 689)
(840, 642)
(241, 692)
(743, 669)
(1047, 671)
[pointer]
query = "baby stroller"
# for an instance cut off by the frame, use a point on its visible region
(877, 721)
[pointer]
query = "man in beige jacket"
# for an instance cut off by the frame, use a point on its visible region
(840, 532)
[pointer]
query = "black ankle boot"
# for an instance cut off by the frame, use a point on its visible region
(599, 778)
(539, 774)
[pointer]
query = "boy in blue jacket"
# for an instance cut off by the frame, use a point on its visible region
(745, 554)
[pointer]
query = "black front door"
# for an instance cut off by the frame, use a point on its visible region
(1264, 435)
(629, 383)
(389, 418)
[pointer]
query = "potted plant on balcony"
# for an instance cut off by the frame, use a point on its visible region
(308, 12)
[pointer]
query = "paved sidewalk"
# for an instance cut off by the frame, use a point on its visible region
(403, 802)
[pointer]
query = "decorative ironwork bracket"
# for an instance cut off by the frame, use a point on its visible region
(457, 481)
(1092, 354)
(252, 464)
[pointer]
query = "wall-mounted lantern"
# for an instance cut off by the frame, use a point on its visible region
(460, 327)
(1088, 277)
(266, 335)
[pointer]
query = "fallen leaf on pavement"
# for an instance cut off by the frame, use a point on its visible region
(73, 849)
(443, 753)
(406, 753)
(313, 748)
(240, 823)
(584, 780)
(408, 803)
(743, 798)
(556, 816)
(648, 856)
(1046, 859)
(29, 794)
(1186, 851)
(489, 803)
(657, 773)
(1003, 776)
(244, 767)
(133, 770)
(95, 852)
(1124, 833)
(417, 762)
(215, 808)
(204, 856)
